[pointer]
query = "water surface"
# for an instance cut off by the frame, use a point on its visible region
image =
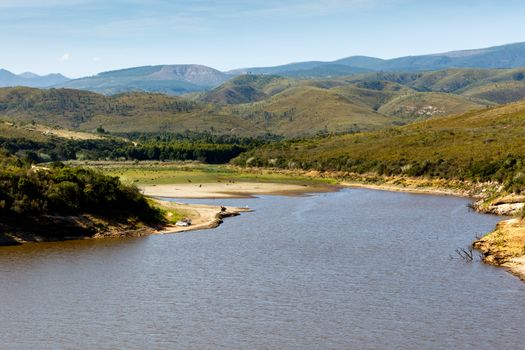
(356, 269)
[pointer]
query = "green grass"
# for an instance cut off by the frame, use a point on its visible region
(171, 216)
(156, 173)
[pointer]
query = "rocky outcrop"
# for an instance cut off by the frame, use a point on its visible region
(508, 205)
(505, 246)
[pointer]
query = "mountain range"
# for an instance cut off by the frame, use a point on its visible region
(505, 56)
(8, 79)
(190, 78)
(250, 104)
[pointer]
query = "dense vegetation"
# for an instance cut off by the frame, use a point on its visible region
(480, 146)
(68, 191)
(45, 200)
(203, 147)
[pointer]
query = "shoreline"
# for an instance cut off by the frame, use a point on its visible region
(414, 190)
(504, 247)
(203, 216)
(83, 227)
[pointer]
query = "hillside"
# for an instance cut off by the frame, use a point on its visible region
(248, 105)
(293, 107)
(167, 79)
(479, 145)
(495, 85)
(246, 88)
(86, 111)
(302, 110)
(421, 105)
(296, 111)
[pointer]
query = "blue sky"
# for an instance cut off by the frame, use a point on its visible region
(84, 37)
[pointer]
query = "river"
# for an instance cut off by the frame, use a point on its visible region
(355, 269)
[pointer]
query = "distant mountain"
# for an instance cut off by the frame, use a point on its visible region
(312, 69)
(364, 62)
(277, 69)
(506, 56)
(190, 78)
(8, 79)
(168, 79)
(28, 75)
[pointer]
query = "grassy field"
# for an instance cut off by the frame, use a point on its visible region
(163, 173)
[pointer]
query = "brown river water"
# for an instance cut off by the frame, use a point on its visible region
(356, 269)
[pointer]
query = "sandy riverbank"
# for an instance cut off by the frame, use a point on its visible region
(416, 190)
(230, 190)
(202, 216)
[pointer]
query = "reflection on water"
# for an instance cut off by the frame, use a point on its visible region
(355, 269)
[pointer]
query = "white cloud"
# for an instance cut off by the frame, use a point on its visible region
(96, 58)
(65, 57)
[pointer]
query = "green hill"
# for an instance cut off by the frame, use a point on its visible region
(419, 105)
(246, 88)
(495, 85)
(302, 110)
(479, 145)
(131, 112)
(252, 105)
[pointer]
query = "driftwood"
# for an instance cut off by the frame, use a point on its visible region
(466, 254)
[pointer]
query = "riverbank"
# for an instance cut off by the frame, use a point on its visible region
(47, 228)
(505, 246)
(65, 228)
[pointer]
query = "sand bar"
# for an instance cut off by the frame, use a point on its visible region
(230, 190)
(202, 216)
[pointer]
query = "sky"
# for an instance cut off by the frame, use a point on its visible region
(84, 37)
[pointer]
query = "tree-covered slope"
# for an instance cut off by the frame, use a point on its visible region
(479, 145)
